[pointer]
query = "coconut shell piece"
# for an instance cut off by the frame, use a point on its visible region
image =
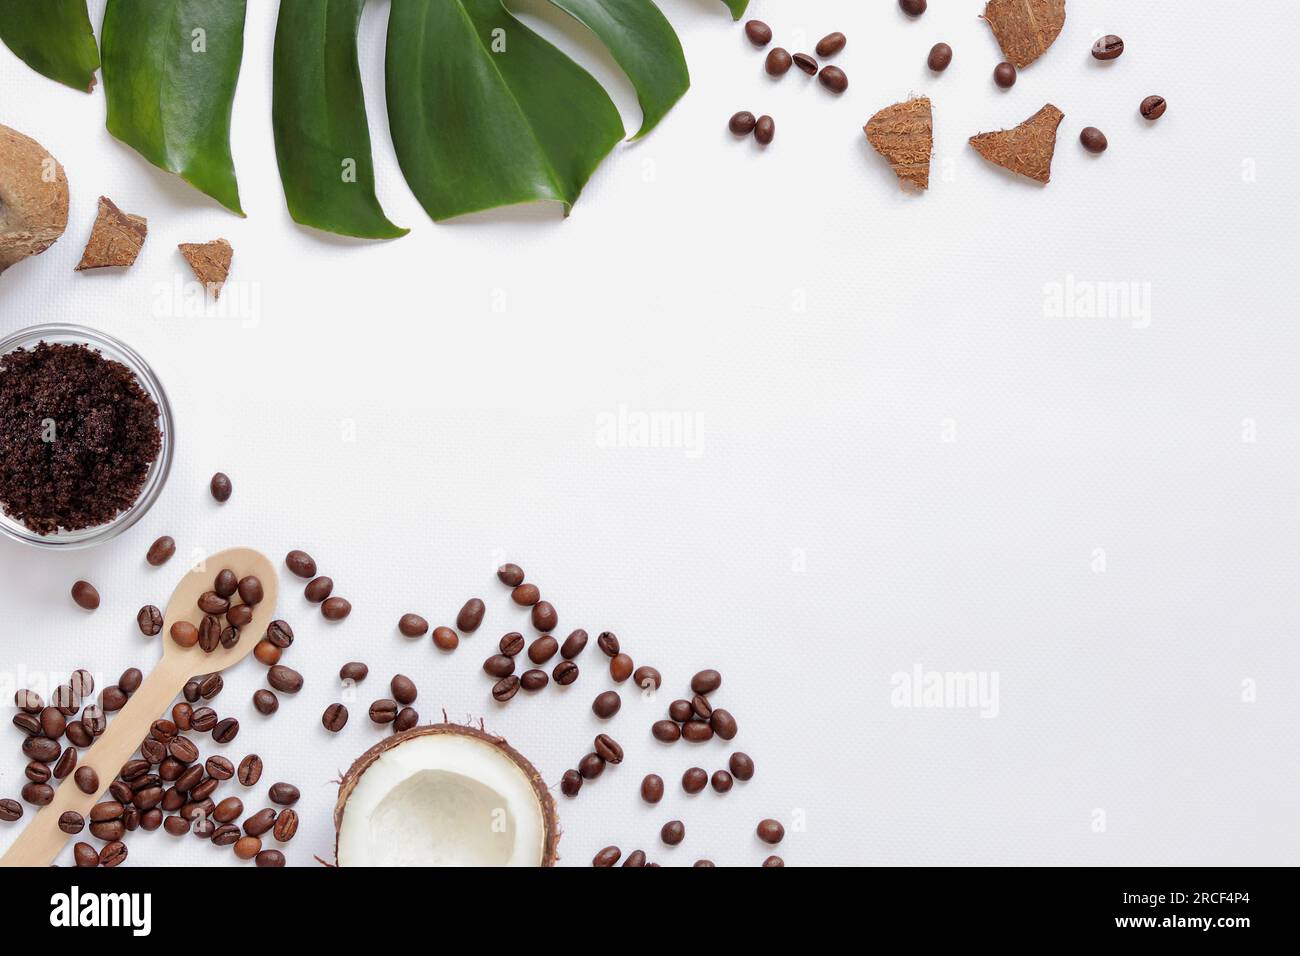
(1025, 28)
(115, 239)
(1027, 149)
(33, 198)
(904, 135)
(210, 262)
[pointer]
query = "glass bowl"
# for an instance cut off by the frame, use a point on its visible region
(110, 348)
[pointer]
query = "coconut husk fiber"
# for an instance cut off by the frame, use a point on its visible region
(210, 262)
(115, 239)
(1025, 28)
(904, 135)
(1026, 150)
(33, 198)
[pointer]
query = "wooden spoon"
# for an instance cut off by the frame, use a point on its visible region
(41, 840)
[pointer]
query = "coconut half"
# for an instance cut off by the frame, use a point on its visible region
(444, 795)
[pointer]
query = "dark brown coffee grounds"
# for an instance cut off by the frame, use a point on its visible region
(77, 436)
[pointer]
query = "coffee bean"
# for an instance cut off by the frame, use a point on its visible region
(78, 733)
(1093, 140)
(265, 702)
(570, 783)
(499, 665)
(758, 32)
(112, 699)
(565, 673)
(11, 810)
(29, 724)
(318, 589)
(723, 724)
(591, 766)
(285, 794)
(511, 644)
(250, 590)
(37, 772)
(607, 857)
(286, 825)
(268, 859)
(620, 668)
(831, 44)
(353, 671)
(86, 779)
(1004, 75)
(772, 861)
(695, 779)
(284, 679)
(834, 79)
(248, 847)
(635, 858)
(82, 683)
(130, 680)
(673, 832)
(183, 749)
(41, 748)
(29, 701)
(226, 583)
(300, 563)
(161, 550)
(151, 820)
(113, 855)
(706, 682)
(607, 641)
(228, 809)
(220, 487)
(646, 677)
(511, 575)
(543, 649)
(778, 62)
(53, 722)
(66, 763)
(203, 719)
(770, 831)
(70, 821)
(913, 8)
(404, 690)
(85, 856)
(574, 644)
(191, 690)
(170, 769)
(211, 685)
(742, 123)
(108, 810)
(335, 718)
(666, 731)
(219, 768)
(335, 608)
(606, 704)
(66, 699)
(210, 602)
(445, 639)
(806, 63)
(470, 616)
(250, 770)
(505, 688)
(406, 718)
(266, 652)
(765, 130)
(721, 781)
(84, 593)
(153, 750)
(184, 633)
(940, 57)
(700, 707)
(1153, 107)
(697, 731)
(260, 822)
(226, 835)
(209, 633)
(93, 719)
(38, 794)
(1109, 47)
(226, 730)
(412, 625)
(176, 826)
(608, 749)
(239, 616)
(383, 711)
(533, 679)
(526, 595)
(704, 864)
(652, 788)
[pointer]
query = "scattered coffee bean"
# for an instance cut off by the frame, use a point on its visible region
(113, 855)
(695, 779)
(41, 748)
(606, 704)
(913, 8)
(772, 861)
(266, 652)
(260, 822)
(574, 644)
(226, 730)
(284, 679)
(646, 677)
(82, 683)
(543, 649)
(673, 832)
(758, 32)
(65, 698)
(723, 724)
(231, 808)
(93, 719)
(300, 563)
(37, 772)
(1093, 140)
(183, 749)
(1109, 47)
(591, 766)
(834, 79)
(318, 589)
(607, 641)
(505, 688)
(70, 821)
(29, 701)
(412, 625)
(248, 847)
(286, 825)
(11, 810)
(706, 682)
(831, 44)
(226, 583)
(161, 551)
(269, 859)
(1004, 75)
(149, 620)
(211, 685)
(635, 858)
(511, 575)
(652, 788)
(806, 63)
(1153, 107)
(511, 644)
(404, 690)
(219, 768)
(52, 722)
(470, 616)
(778, 62)
(265, 702)
(770, 831)
(176, 826)
(526, 595)
(203, 719)
(406, 718)
(565, 673)
(608, 749)
(85, 595)
(220, 487)
(85, 856)
(570, 784)
(742, 123)
(666, 731)
(940, 57)
(285, 794)
(721, 781)
(130, 680)
(250, 770)
(533, 679)
(354, 672)
(335, 608)
(78, 733)
(445, 639)
(499, 665)
(86, 779)
(66, 763)
(108, 810)
(279, 633)
(383, 711)
(620, 668)
(607, 857)
(226, 835)
(765, 130)
(29, 724)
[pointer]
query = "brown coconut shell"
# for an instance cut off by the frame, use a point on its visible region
(904, 135)
(550, 818)
(1025, 28)
(210, 262)
(33, 198)
(115, 239)
(1028, 149)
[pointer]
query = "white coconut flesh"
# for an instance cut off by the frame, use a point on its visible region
(442, 800)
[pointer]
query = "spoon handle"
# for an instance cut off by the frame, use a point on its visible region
(41, 840)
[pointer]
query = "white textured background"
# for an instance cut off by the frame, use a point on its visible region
(905, 457)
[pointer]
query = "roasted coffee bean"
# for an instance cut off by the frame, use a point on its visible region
(652, 788)
(161, 551)
(533, 679)
(226, 730)
(574, 644)
(176, 826)
(269, 859)
(108, 810)
(505, 688)
(209, 633)
(470, 616)
(227, 834)
(246, 848)
(831, 44)
(673, 832)
(183, 749)
(260, 822)
(545, 617)
(543, 649)
(806, 63)
(620, 668)
(1004, 75)
(778, 62)
(335, 608)
(153, 750)
(211, 685)
(721, 781)
(53, 722)
(184, 633)
(285, 794)
(121, 791)
(1153, 107)
(267, 653)
(219, 768)
(11, 810)
(511, 644)
(93, 719)
(706, 682)
(149, 797)
(113, 855)
(383, 711)
(112, 698)
(335, 718)
(70, 821)
(606, 704)
(354, 672)
(913, 8)
(226, 583)
(704, 864)
(1109, 47)
(143, 782)
(723, 724)
(607, 857)
(203, 719)
(250, 770)
(697, 731)
(300, 563)
(66, 763)
(79, 734)
(765, 130)
(66, 699)
(570, 784)
(770, 831)
(591, 766)
(1093, 140)
(210, 602)
(940, 57)
(38, 794)
(635, 858)
(834, 79)
(170, 769)
(130, 680)
(41, 748)
(240, 615)
(82, 683)
(404, 690)
(511, 575)
(526, 595)
(609, 749)
(607, 641)
(30, 724)
(742, 123)
(286, 825)
(230, 635)
(250, 590)
(499, 665)
(318, 589)
(564, 673)
(150, 621)
(228, 809)
(406, 718)
(131, 819)
(284, 679)
(220, 487)
(29, 701)
(37, 772)
(666, 731)
(84, 593)
(151, 819)
(701, 707)
(191, 689)
(85, 856)
(695, 779)
(758, 32)
(190, 778)
(445, 639)
(646, 677)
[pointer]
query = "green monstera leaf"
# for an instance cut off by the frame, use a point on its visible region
(54, 38)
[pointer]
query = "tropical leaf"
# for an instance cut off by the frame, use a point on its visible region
(322, 142)
(644, 45)
(54, 38)
(170, 69)
(486, 113)
(737, 8)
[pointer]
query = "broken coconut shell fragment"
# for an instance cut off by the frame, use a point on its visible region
(1025, 28)
(904, 135)
(33, 198)
(115, 239)
(444, 795)
(1026, 150)
(210, 262)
